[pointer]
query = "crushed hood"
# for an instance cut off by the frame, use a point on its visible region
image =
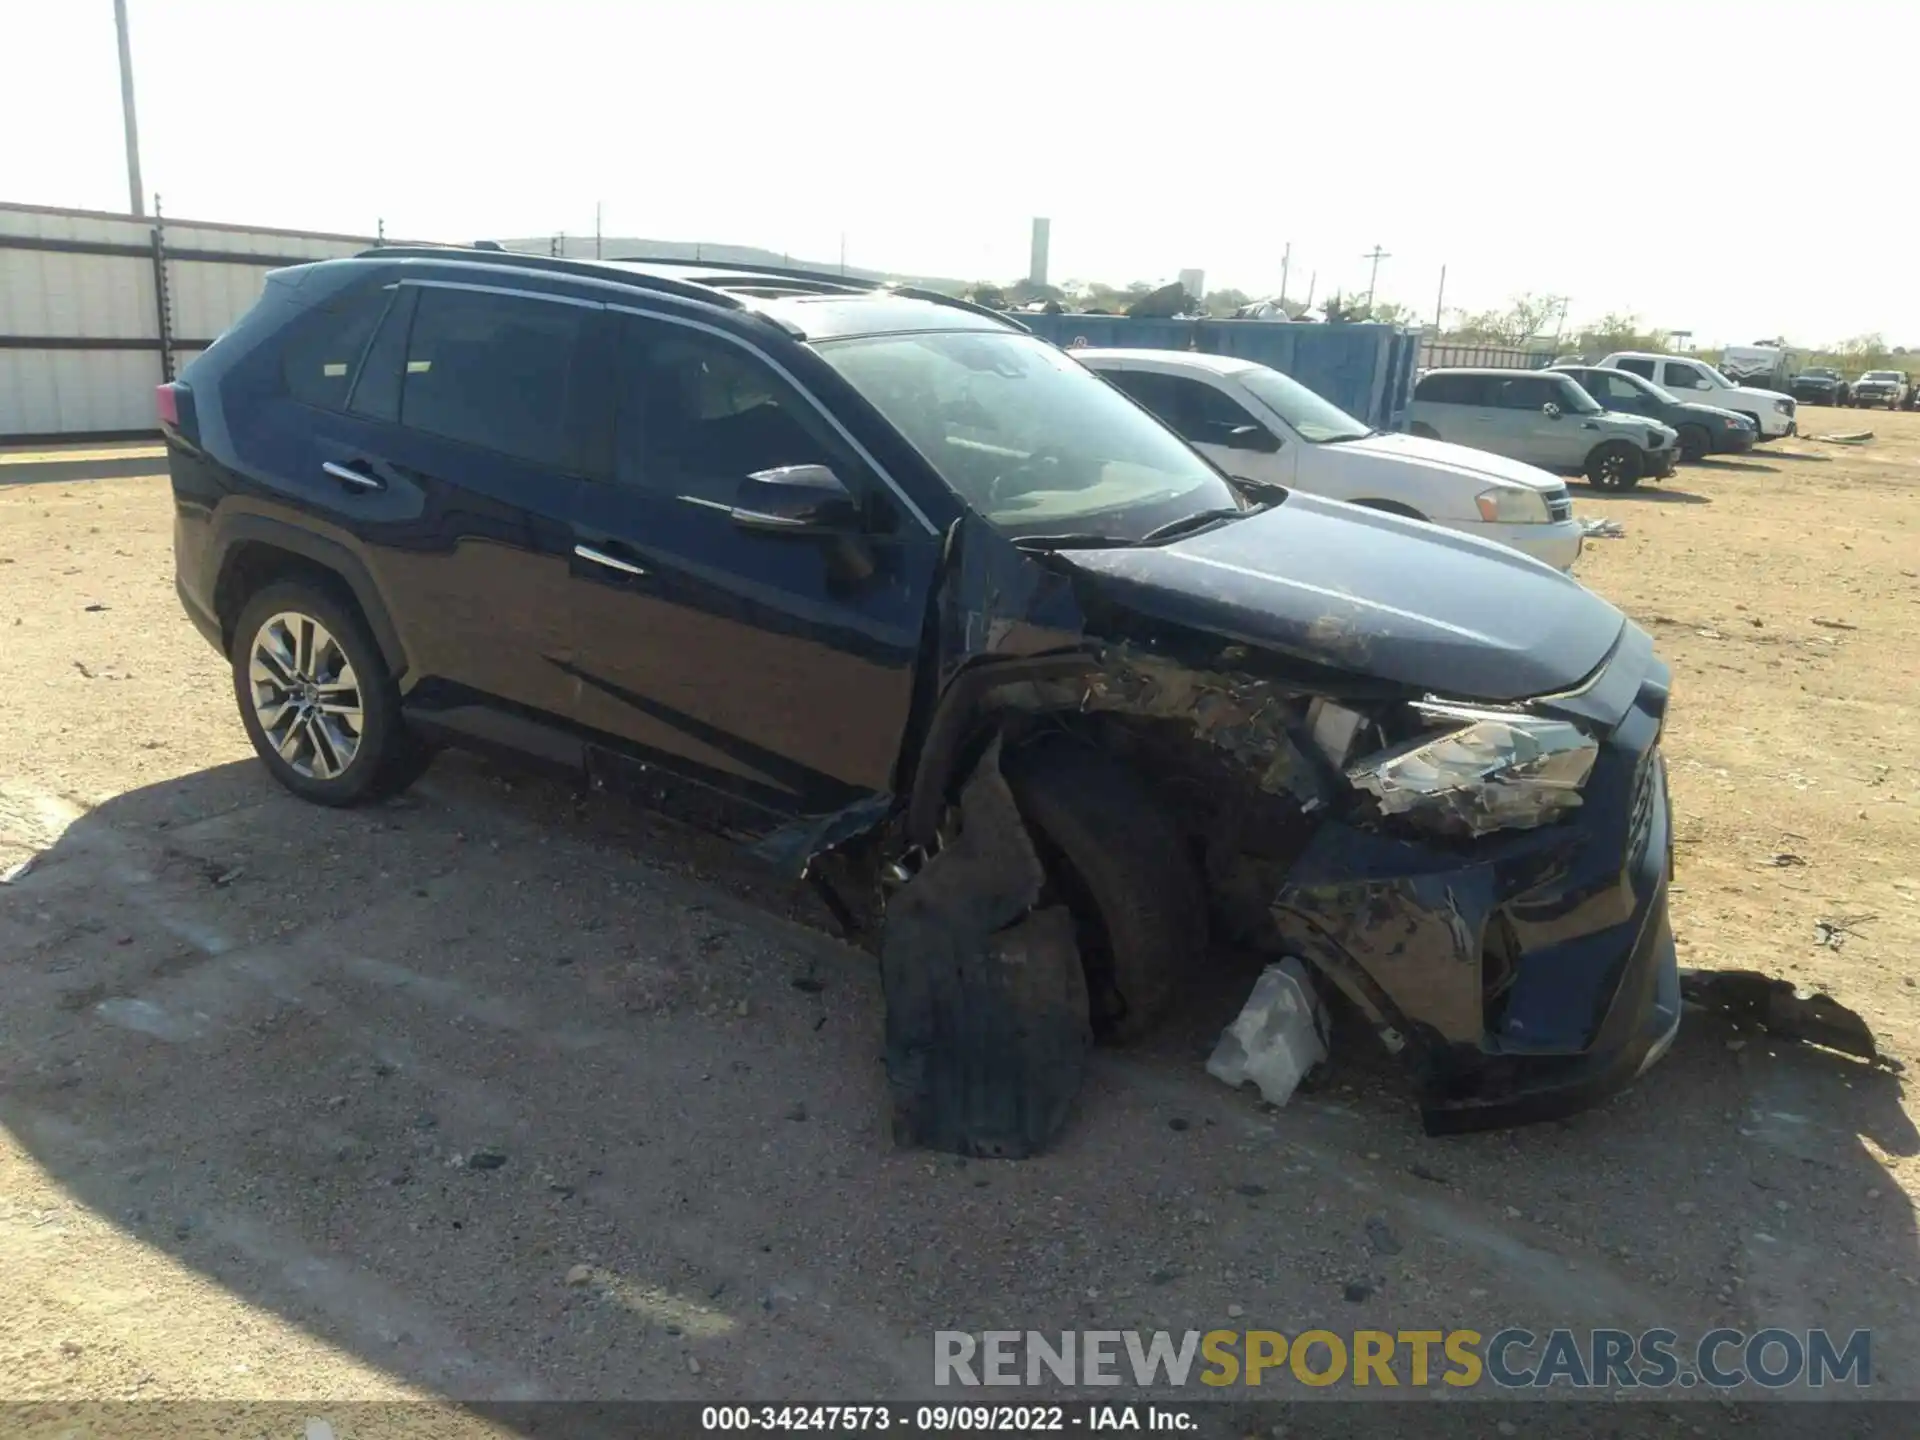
(1370, 593)
(1398, 449)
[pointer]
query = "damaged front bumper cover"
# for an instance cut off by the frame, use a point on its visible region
(1525, 976)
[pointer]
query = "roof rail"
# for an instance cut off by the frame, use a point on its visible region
(742, 267)
(830, 281)
(560, 265)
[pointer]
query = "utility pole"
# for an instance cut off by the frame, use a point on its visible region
(843, 252)
(136, 200)
(1286, 259)
(1312, 281)
(1440, 300)
(1376, 255)
(596, 229)
(1560, 303)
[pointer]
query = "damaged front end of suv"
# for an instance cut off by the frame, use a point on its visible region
(1450, 804)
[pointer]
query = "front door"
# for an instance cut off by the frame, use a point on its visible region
(1214, 422)
(778, 667)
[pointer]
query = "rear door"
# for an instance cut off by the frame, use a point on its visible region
(777, 667)
(1458, 409)
(470, 423)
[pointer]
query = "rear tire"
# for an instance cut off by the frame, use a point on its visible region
(1117, 862)
(1615, 465)
(1695, 443)
(317, 700)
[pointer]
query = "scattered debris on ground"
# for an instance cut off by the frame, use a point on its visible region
(1833, 931)
(1279, 1035)
(1852, 437)
(1827, 624)
(1595, 527)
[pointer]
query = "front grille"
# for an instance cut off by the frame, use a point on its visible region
(1559, 507)
(1645, 791)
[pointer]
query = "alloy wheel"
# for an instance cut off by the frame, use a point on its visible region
(305, 695)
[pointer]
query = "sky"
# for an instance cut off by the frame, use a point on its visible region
(1688, 162)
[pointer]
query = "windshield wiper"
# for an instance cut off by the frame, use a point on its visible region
(1195, 521)
(1074, 540)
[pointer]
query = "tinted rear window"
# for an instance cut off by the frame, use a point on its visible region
(320, 358)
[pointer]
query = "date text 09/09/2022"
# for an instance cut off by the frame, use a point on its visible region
(942, 1419)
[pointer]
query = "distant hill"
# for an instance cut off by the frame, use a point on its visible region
(623, 247)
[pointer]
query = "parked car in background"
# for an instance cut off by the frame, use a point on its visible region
(1545, 419)
(1820, 386)
(1703, 429)
(843, 561)
(1771, 412)
(1882, 388)
(1267, 428)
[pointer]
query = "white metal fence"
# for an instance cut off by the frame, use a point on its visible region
(97, 309)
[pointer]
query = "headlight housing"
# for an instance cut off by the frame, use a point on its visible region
(1783, 406)
(1512, 505)
(1493, 771)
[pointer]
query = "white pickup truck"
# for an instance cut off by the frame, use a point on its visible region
(1772, 413)
(1267, 428)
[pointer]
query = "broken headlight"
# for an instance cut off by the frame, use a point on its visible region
(1493, 771)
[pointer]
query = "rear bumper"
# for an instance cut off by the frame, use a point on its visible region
(1557, 543)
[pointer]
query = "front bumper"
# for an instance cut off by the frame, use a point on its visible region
(1734, 442)
(1557, 542)
(1874, 399)
(1774, 424)
(1661, 463)
(1526, 975)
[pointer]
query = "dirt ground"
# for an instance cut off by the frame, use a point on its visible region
(503, 1091)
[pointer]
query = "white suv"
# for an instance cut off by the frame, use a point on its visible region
(1264, 427)
(1771, 412)
(1544, 418)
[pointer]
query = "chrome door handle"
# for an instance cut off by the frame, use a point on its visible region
(612, 562)
(347, 476)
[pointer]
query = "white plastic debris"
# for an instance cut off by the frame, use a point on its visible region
(1594, 527)
(1279, 1035)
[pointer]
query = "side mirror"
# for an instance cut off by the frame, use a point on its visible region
(1253, 437)
(1550, 410)
(796, 500)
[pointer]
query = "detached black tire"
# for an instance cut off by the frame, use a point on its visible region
(317, 699)
(1615, 465)
(1695, 444)
(1119, 865)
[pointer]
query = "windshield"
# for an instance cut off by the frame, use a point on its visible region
(1575, 400)
(1029, 438)
(1314, 420)
(1821, 374)
(1881, 375)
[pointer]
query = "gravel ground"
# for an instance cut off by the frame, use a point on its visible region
(506, 1091)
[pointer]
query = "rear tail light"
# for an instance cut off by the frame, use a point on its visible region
(174, 405)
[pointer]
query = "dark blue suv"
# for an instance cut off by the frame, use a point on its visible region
(955, 629)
